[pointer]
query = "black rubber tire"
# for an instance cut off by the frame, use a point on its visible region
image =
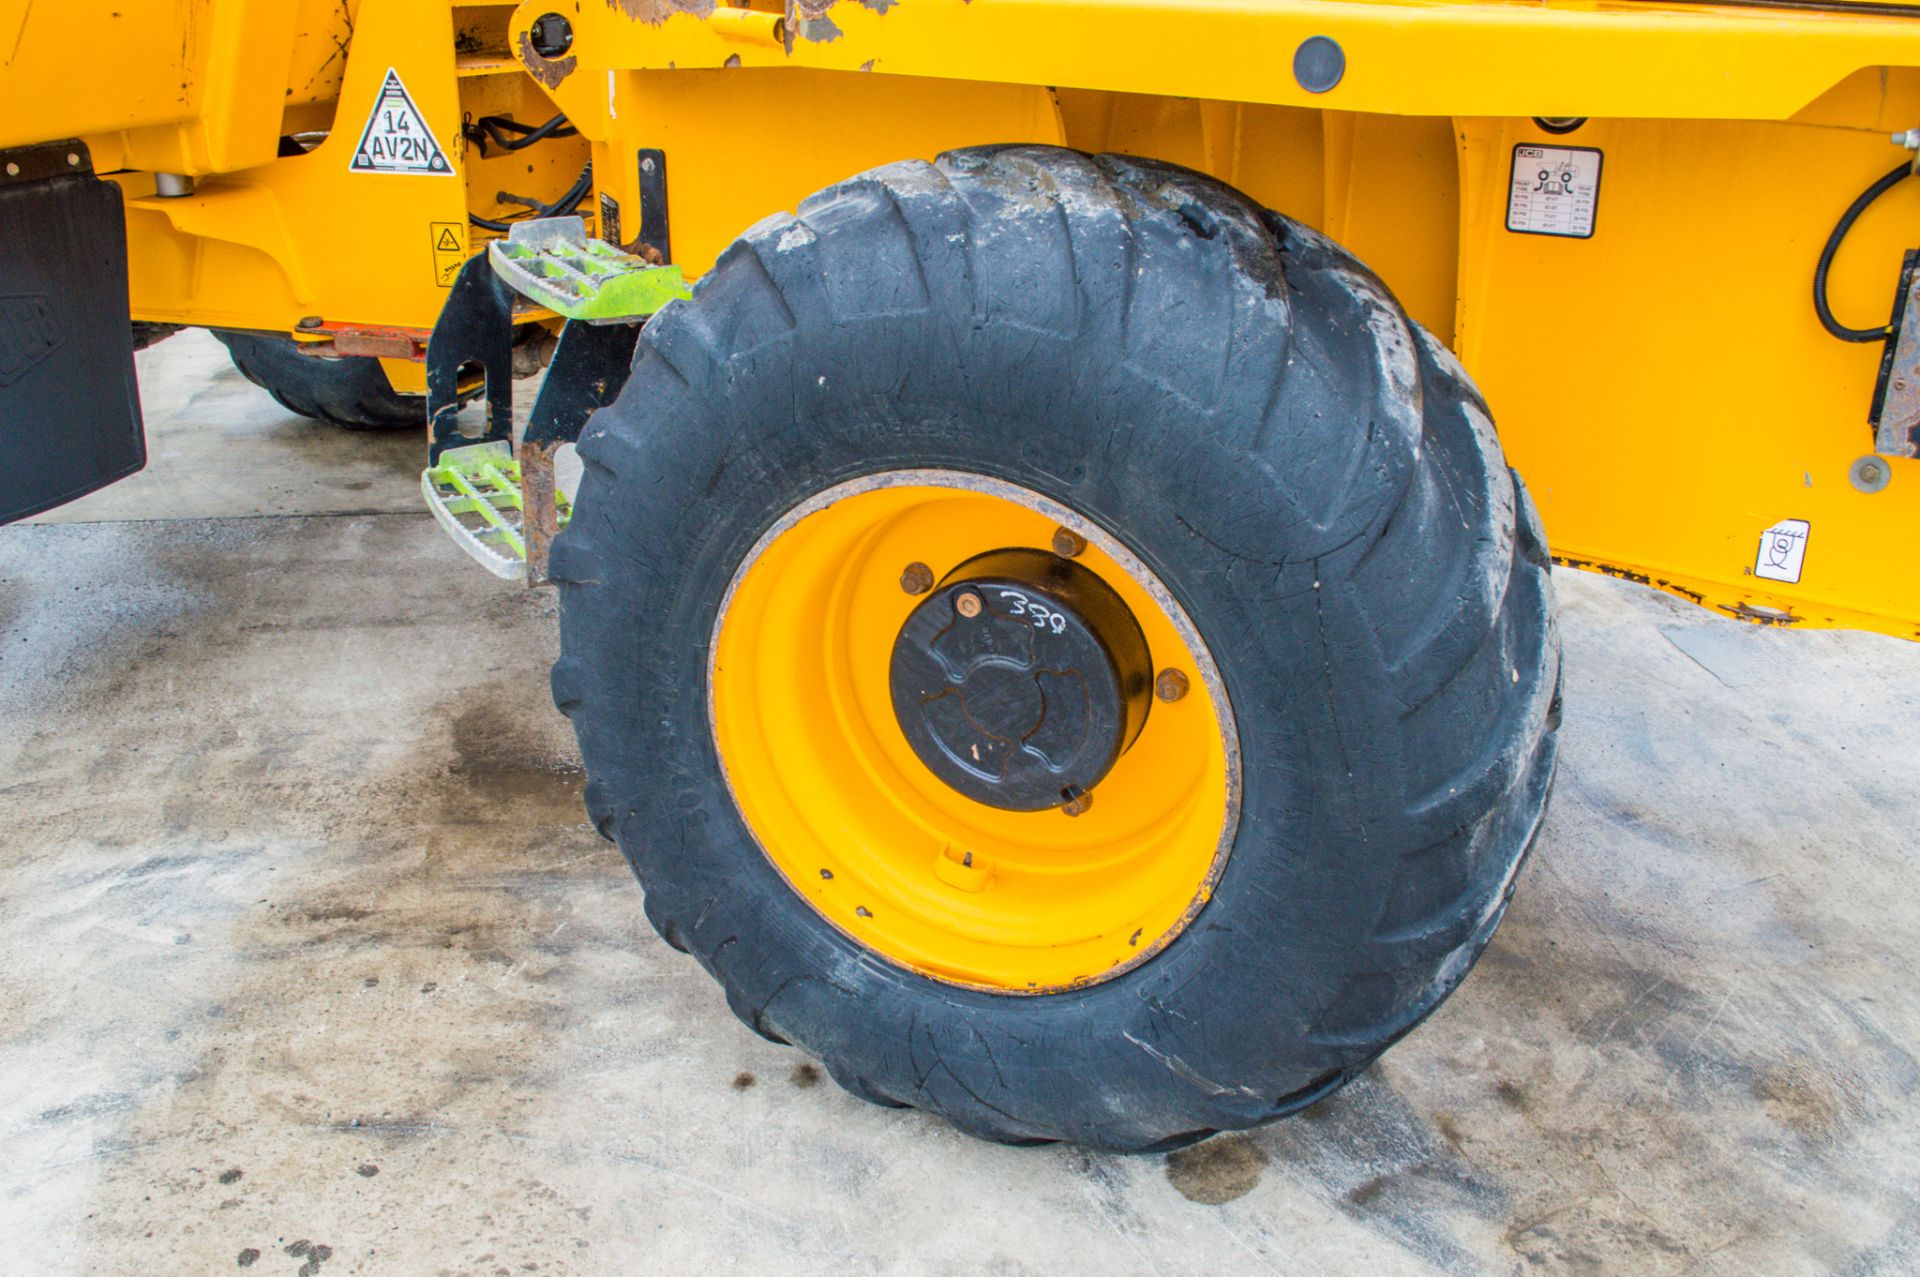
(351, 392)
(149, 334)
(1247, 408)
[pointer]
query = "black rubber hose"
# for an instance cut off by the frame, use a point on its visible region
(569, 201)
(498, 128)
(1840, 229)
(574, 194)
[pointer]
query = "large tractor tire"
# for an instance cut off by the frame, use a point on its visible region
(1058, 643)
(350, 392)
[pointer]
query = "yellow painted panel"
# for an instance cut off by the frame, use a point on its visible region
(1387, 187)
(307, 235)
(742, 145)
(141, 59)
(1665, 387)
(1663, 384)
(1403, 57)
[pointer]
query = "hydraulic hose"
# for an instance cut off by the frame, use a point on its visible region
(1827, 254)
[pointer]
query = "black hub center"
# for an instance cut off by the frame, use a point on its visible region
(1021, 679)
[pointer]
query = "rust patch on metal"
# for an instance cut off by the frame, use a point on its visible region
(654, 12)
(803, 20)
(1604, 569)
(1760, 615)
(540, 515)
(381, 341)
(1623, 574)
(1640, 578)
(807, 20)
(821, 30)
(549, 71)
(1692, 595)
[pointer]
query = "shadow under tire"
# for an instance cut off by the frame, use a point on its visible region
(352, 392)
(1248, 411)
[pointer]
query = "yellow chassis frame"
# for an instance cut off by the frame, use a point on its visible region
(1663, 385)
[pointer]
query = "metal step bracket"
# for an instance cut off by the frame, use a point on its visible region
(554, 262)
(475, 495)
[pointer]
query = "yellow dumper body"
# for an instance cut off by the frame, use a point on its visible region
(1611, 211)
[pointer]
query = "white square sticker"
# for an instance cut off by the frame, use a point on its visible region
(1555, 191)
(1783, 551)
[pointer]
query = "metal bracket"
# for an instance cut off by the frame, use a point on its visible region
(654, 234)
(1896, 397)
(475, 327)
(589, 368)
(605, 293)
(44, 160)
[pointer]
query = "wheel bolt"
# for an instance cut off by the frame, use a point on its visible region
(1067, 543)
(1078, 800)
(967, 604)
(916, 578)
(1170, 685)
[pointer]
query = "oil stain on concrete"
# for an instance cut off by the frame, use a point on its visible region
(309, 961)
(1220, 1170)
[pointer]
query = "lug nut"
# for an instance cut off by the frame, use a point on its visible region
(1067, 543)
(916, 578)
(1170, 685)
(967, 604)
(1078, 800)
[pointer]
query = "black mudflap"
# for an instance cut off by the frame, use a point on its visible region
(69, 405)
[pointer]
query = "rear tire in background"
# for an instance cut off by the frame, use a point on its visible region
(149, 334)
(352, 391)
(1294, 488)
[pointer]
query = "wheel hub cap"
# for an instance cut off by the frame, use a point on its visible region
(1021, 679)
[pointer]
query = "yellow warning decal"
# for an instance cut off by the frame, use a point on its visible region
(449, 251)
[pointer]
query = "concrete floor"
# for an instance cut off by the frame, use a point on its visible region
(309, 962)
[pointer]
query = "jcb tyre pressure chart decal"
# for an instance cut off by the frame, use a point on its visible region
(397, 139)
(1554, 190)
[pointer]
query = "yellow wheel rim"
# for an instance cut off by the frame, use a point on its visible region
(831, 789)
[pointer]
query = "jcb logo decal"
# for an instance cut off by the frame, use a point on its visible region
(28, 334)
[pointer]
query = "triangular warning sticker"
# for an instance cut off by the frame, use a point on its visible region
(446, 243)
(397, 139)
